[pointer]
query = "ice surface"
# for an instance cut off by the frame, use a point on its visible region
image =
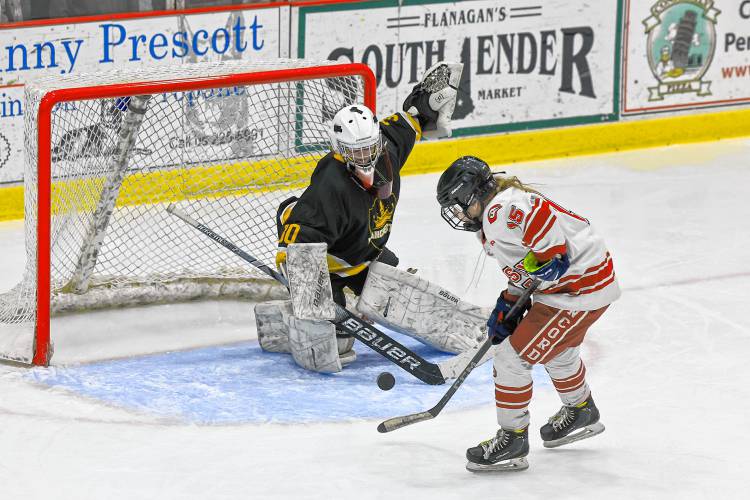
(667, 365)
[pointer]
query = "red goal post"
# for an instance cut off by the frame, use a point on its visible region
(296, 78)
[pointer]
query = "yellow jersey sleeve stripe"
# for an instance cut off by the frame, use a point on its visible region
(413, 122)
(342, 268)
(287, 212)
(336, 266)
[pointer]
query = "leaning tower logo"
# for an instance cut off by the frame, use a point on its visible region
(681, 46)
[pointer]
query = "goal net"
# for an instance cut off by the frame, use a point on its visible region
(106, 153)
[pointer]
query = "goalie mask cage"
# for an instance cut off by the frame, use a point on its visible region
(106, 153)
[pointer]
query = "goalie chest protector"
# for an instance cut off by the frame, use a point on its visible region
(336, 210)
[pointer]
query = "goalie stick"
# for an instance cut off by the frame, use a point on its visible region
(398, 422)
(347, 322)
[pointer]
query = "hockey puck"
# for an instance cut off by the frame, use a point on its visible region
(386, 381)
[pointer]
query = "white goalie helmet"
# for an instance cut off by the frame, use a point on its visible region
(355, 135)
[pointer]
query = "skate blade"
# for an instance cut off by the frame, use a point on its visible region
(513, 465)
(583, 433)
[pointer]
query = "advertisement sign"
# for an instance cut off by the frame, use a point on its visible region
(195, 127)
(121, 43)
(682, 54)
(526, 64)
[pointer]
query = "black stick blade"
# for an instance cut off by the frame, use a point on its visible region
(398, 422)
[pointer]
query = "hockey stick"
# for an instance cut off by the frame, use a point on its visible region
(398, 422)
(347, 322)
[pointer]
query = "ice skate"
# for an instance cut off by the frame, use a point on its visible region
(572, 423)
(505, 452)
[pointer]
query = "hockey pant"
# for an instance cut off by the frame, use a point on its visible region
(548, 336)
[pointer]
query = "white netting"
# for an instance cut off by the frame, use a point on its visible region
(226, 156)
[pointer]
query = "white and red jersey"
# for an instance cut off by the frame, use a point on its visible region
(516, 221)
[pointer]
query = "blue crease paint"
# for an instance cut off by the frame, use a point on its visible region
(240, 383)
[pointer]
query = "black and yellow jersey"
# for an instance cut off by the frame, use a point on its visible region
(354, 222)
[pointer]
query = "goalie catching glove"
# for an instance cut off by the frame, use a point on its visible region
(433, 100)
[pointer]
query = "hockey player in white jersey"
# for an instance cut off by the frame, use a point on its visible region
(532, 238)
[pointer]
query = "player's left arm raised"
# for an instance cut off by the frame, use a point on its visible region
(426, 111)
(433, 100)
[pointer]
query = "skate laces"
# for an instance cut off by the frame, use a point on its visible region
(563, 418)
(494, 443)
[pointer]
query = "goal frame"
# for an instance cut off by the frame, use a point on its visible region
(42, 336)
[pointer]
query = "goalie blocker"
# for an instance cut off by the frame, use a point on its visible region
(397, 299)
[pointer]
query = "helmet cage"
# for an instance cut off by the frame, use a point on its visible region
(456, 198)
(457, 218)
(362, 156)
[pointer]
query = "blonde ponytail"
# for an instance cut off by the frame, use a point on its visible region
(504, 183)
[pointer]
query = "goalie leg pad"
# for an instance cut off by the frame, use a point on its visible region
(312, 339)
(420, 309)
(271, 325)
(313, 345)
(309, 281)
(272, 320)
